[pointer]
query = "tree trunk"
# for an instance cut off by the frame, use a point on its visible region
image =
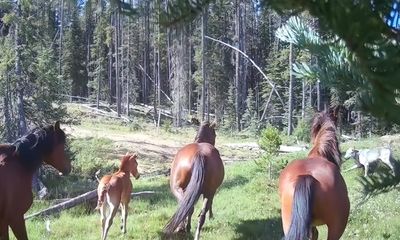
(204, 85)
(117, 62)
(9, 134)
(303, 100)
(22, 127)
(61, 37)
(290, 100)
(318, 96)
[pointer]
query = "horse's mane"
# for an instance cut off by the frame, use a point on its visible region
(31, 148)
(323, 138)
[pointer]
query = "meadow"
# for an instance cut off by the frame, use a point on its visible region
(245, 207)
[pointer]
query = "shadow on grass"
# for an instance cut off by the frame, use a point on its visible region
(175, 236)
(233, 182)
(266, 229)
(161, 196)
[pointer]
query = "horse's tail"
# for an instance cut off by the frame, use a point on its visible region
(302, 209)
(101, 194)
(191, 195)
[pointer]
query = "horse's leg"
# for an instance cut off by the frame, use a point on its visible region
(124, 216)
(178, 193)
(335, 231)
(366, 169)
(314, 233)
(189, 220)
(18, 227)
(210, 212)
(113, 208)
(4, 231)
(202, 218)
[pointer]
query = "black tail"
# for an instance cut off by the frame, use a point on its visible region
(300, 226)
(191, 195)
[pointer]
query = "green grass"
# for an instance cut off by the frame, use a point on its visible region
(246, 206)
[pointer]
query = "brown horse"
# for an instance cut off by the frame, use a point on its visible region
(312, 190)
(196, 170)
(115, 190)
(18, 162)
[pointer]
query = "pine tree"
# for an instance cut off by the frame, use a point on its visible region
(74, 57)
(250, 115)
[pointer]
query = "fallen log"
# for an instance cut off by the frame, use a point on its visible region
(76, 201)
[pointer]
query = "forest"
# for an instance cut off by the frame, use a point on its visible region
(235, 62)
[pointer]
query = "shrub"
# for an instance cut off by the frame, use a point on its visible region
(270, 140)
(302, 131)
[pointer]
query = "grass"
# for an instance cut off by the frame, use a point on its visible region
(246, 206)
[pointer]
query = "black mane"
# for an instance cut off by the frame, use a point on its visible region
(32, 147)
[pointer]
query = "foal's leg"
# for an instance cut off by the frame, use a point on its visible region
(112, 211)
(103, 209)
(202, 218)
(18, 227)
(124, 216)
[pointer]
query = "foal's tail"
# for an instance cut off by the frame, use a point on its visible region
(300, 226)
(191, 195)
(101, 194)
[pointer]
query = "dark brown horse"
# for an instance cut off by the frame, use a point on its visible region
(312, 190)
(18, 162)
(196, 170)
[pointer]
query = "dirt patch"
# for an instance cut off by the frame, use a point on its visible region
(155, 150)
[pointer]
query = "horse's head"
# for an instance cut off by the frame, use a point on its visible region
(130, 164)
(206, 133)
(57, 157)
(350, 153)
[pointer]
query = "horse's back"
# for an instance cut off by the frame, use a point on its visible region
(183, 162)
(330, 189)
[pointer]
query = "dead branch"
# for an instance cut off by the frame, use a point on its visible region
(70, 203)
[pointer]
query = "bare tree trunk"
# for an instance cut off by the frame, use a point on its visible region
(22, 127)
(318, 96)
(290, 100)
(9, 135)
(190, 72)
(61, 37)
(303, 100)
(110, 66)
(204, 85)
(239, 81)
(117, 62)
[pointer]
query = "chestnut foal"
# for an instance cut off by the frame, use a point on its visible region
(115, 190)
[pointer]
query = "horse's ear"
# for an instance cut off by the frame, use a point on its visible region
(195, 121)
(334, 113)
(57, 125)
(213, 125)
(127, 153)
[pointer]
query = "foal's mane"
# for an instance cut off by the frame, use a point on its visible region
(31, 148)
(323, 138)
